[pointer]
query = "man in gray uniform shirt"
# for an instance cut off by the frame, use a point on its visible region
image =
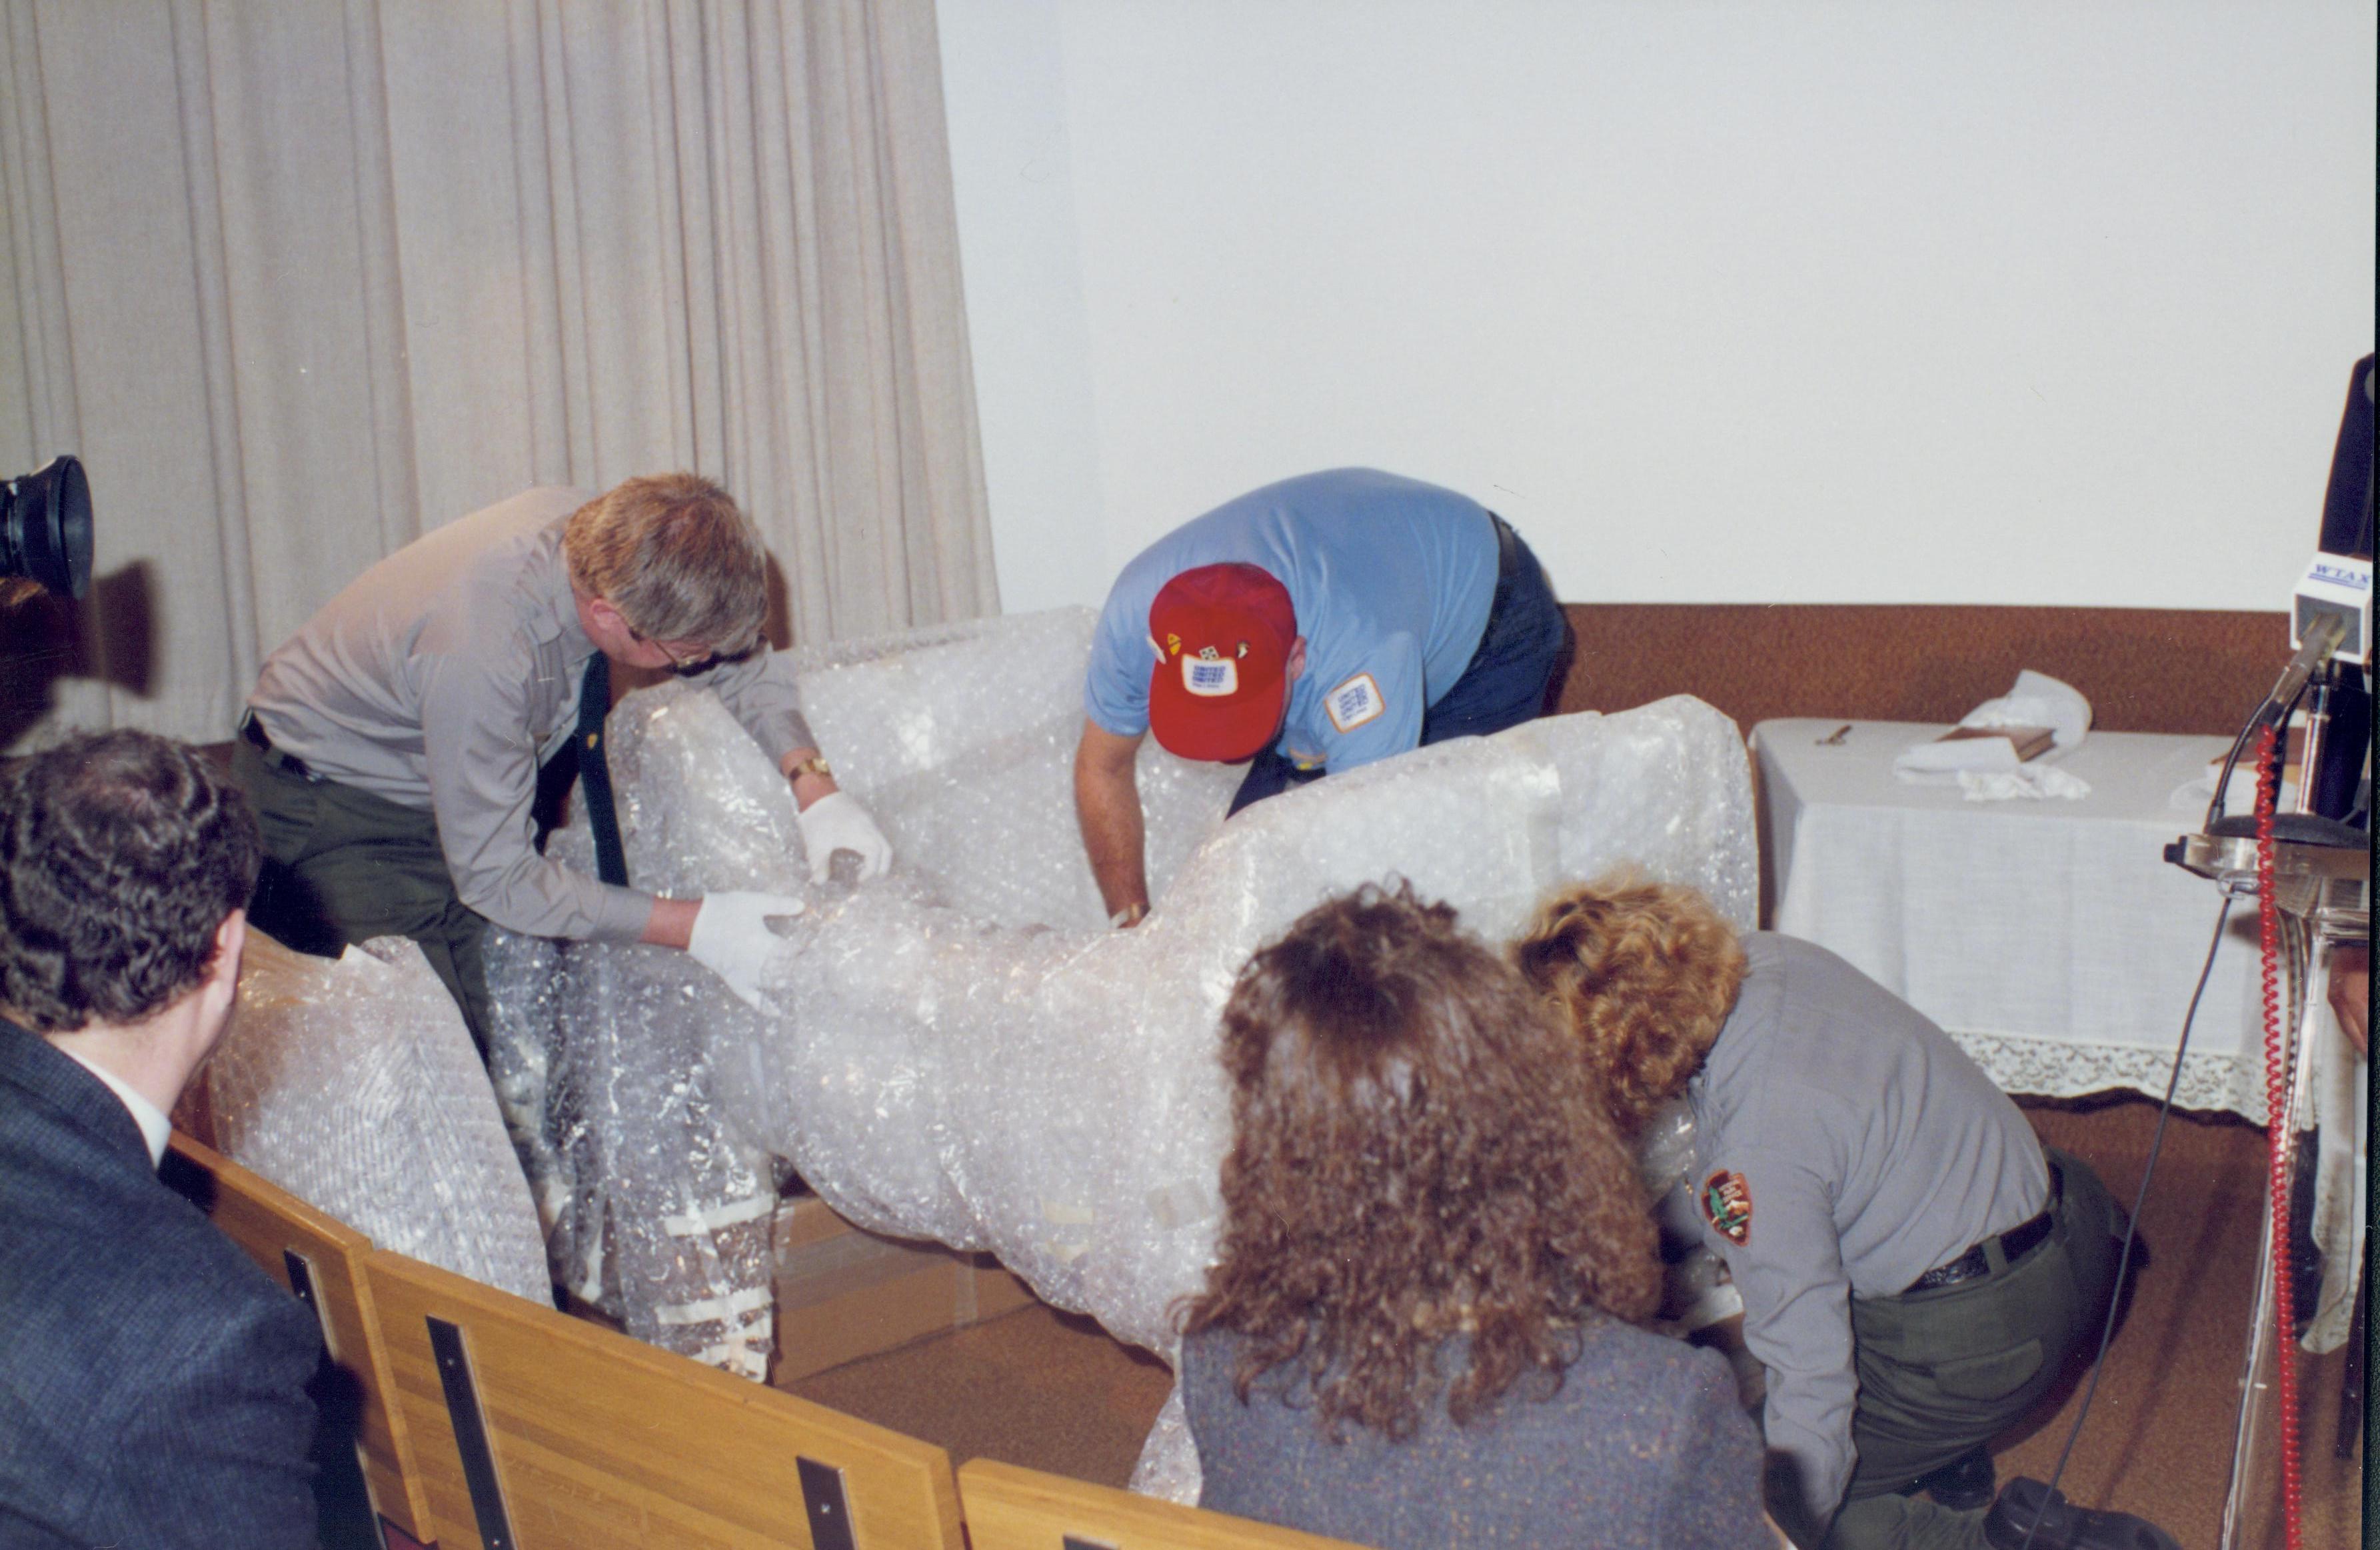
(392, 746)
(1915, 1271)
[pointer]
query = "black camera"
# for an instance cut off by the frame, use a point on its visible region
(45, 527)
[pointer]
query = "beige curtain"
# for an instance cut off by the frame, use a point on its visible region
(301, 279)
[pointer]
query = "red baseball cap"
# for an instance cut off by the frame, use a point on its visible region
(1223, 634)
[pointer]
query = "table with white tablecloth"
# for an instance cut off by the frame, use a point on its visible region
(2050, 938)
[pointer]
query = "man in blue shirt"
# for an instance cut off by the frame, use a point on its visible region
(1313, 625)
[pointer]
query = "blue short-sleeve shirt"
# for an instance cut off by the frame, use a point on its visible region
(1390, 579)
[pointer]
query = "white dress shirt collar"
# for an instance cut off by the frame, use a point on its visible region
(155, 1127)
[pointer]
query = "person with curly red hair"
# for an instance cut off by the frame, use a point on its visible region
(1423, 1327)
(1916, 1271)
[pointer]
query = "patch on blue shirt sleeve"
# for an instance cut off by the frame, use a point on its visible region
(1354, 702)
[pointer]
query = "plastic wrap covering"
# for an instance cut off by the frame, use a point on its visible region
(654, 1211)
(1169, 1468)
(352, 1085)
(961, 741)
(964, 1051)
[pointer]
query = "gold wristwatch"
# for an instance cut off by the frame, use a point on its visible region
(815, 765)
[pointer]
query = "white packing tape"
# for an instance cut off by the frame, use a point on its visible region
(750, 1208)
(718, 1308)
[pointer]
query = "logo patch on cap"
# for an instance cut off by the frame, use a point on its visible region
(1354, 702)
(1211, 675)
(1727, 1205)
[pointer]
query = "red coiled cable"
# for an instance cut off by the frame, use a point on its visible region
(2277, 1120)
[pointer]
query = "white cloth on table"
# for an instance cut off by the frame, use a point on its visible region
(2028, 782)
(2051, 940)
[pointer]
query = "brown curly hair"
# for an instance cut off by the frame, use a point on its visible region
(1644, 973)
(120, 854)
(1417, 1154)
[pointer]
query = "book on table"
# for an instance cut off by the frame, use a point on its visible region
(2029, 742)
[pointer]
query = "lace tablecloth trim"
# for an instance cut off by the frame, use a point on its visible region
(2065, 1068)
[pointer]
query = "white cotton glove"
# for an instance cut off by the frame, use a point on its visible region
(732, 938)
(836, 822)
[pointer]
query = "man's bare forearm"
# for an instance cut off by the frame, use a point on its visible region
(1107, 805)
(809, 785)
(672, 923)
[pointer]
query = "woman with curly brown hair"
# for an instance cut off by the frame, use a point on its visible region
(1915, 1272)
(1421, 1331)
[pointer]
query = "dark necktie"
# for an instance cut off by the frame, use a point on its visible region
(595, 771)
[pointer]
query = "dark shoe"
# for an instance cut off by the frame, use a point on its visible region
(1963, 1484)
(2064, 1526)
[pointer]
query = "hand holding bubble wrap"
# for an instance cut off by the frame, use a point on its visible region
(734, 936)
(837, 822)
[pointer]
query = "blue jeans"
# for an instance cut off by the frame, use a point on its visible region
(1507, 683)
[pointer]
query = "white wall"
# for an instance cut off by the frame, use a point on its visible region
(1716, 301)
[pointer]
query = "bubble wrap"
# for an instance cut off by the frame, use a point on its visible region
(960, 741)
(964, 1051)
(352, 1085)
(654, 1211)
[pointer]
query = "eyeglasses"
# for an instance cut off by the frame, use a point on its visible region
(700, 665)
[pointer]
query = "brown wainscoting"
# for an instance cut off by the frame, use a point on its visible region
(2143, 669)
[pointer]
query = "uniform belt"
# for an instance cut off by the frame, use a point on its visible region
(253, 731)
(1976, 1263)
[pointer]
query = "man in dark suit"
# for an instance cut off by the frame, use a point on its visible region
(152, 1378)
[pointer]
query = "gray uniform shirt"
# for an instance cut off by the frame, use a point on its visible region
(1850, 1147)
(439, 679)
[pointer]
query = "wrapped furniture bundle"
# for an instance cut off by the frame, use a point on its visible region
(351, 1083)
(964, 1051)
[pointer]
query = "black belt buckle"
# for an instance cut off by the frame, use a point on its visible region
(2015, 1243)
(1966, 1267)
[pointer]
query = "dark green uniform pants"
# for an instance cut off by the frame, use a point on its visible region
(345, 866)
(1942, 1371)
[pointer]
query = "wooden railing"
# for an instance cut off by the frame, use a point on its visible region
(490, 1422)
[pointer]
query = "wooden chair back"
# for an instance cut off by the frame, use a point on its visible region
(537, 1431)
(321, 1261)
(1009, 1507)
